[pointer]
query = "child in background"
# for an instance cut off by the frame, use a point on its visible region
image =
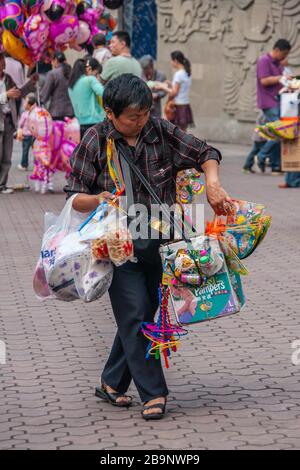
(23, 132)
(258, 143)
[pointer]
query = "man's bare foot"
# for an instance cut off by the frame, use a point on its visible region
(122, 399)
(154, 411)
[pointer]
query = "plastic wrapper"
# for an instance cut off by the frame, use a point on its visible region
(110, 237)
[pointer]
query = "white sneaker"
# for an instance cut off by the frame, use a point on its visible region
(50, 187)
(6, 191)
(43, 188)
(22, 168)
(37, 186)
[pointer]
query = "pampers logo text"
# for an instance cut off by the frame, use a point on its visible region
(211, 288)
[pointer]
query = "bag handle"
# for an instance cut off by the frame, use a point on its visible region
(152, 193)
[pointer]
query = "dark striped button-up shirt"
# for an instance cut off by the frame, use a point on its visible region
(162, 150)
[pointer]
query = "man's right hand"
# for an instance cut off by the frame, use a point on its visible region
(13, 93)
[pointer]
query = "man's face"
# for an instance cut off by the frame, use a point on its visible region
(280, 55)
(131, 122)
(148, 71)
(116, 46)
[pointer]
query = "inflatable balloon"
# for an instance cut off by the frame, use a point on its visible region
(42, 153)
(72, 130)
(40, 123)
(64, 30)
(91, 17)
(36, 32)
(83, 36)
(57, 135)
(13, 17)
(16, 49)
(113, 4)
(32, 7)
(107, 22)
(54, 9)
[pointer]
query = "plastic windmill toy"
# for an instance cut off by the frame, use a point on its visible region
(163, 335)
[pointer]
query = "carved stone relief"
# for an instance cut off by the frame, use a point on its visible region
(245, 29)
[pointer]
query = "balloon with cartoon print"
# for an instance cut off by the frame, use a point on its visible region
(40, 123)
(64, 30)
(13, 17)
(36, 32)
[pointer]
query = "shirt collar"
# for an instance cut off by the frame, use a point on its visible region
(148, 134)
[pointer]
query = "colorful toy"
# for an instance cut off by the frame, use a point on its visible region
(90, 15)
(32, 7)
(13, 17)
(16, 49)
(163, 336)
(53, 147)
(82, 37)
(40, 123)
(36, 31)
(64, 30)
(39, 28)
(54, 9)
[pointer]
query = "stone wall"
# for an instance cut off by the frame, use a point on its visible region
(223, 39)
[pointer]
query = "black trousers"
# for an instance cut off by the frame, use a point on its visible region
(134, 298)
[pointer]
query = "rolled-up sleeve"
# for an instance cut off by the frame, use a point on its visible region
(188, 151)
(83, 176)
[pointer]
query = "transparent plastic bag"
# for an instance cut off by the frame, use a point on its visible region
(109, 236)
(66, 270)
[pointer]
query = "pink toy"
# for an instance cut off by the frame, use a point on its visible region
(64, 30)
(36, 32)
(52, 150)
(40, 123)
(72, 130)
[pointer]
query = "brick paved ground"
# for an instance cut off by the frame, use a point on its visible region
(232, 385)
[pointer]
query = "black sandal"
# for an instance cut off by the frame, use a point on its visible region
(150, 416)
(112, 397)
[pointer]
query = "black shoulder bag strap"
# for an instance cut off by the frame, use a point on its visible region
(145, 182)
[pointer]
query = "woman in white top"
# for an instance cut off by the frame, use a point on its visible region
(182, 81)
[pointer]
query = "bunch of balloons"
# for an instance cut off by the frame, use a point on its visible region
(33, 29)
(54, 144)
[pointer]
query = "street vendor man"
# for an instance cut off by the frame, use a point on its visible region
(159, 150)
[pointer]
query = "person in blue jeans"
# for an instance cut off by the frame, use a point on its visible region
(271, 148)
(258, 143)
(269, 72)
(292, 180)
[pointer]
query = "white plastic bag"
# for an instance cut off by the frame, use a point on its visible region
(289, 104)
(66, 270)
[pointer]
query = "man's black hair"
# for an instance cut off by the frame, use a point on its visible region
(123, 36)
(99, 40)
(127, 91)
(282, 45)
